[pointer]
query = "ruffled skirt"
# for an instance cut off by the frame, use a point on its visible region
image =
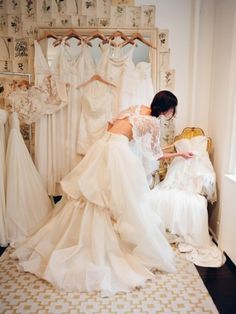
(104, 235)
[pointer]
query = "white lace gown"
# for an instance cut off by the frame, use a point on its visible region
(27, 203)
(3, 231)
(104, 236)
(181, 202)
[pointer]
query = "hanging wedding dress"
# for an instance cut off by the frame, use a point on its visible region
(104, 236)
(134, 82)
(50, 132)
(59, 131)
(144, 88)
(181, 202)
(27, 203)
(96, 110)
(79, 71)
(121, 72)
(3, 231)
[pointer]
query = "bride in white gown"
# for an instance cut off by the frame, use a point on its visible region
(104, 235)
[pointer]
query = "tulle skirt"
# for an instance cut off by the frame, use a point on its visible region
(104, 235)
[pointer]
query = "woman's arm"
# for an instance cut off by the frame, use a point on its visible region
(185, 155)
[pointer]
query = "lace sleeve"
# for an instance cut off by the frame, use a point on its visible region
(146, 133)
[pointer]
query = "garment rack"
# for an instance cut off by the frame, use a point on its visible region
(105, 39)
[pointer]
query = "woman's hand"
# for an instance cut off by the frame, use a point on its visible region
(186, 155)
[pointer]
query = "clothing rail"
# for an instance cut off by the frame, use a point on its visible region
(97, 34)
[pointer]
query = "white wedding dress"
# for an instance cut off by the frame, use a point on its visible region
(50, 132)
(3, 231)
(58, 131)
(133, 82)
(79, 71)
(27, 203)
(104, 235)
(181, 202)
(96, 111)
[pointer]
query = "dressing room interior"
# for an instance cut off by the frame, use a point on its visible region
(107, 206)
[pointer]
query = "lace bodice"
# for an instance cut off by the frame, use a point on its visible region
(29, 104)
(146, 131)
(32, 103)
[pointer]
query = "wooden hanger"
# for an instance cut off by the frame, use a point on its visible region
(96, 77)
(48, 35)
(58, 38)
(74, 34)
(129, 41)
(99, 35)
(126, 39)
(139, 37)
(118, 34)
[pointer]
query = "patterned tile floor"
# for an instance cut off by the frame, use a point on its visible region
(182, 292)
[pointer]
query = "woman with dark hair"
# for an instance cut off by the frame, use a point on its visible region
(104, 235)
(164, 102)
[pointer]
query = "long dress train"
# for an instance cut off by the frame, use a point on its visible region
(103, 236)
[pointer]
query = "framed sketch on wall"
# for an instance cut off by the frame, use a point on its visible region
(163, 40)
(13, 7)
(3, 24)
(133, 16)
(21, 55)
(167, 79)
(44, 10)
(118, 16)
(148, 15)
(14, 25)
(89, 8)
(28, 10)
(164, 60)
(103, 8)
(122, 2)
